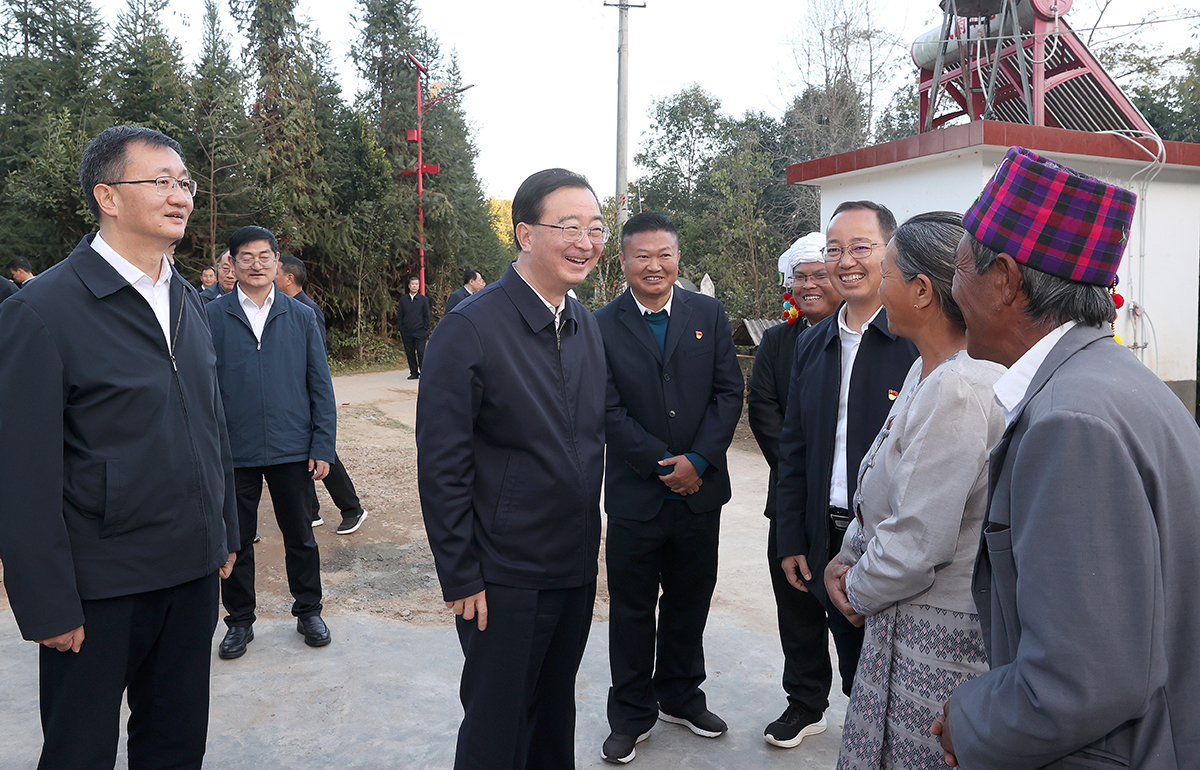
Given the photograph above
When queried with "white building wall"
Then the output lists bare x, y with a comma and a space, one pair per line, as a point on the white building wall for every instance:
1165, 281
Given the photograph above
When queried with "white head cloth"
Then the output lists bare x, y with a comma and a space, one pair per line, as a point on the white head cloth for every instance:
805, 249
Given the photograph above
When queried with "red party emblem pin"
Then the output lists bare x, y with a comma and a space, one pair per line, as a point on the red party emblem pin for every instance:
699, 335
892, 395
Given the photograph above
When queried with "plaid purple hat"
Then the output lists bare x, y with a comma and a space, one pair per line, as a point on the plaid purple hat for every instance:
1053, 218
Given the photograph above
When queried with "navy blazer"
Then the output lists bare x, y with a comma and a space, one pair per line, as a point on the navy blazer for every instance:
810, 428
689, 400
456, 296
307, 301
117, 473
510, 442
278, 394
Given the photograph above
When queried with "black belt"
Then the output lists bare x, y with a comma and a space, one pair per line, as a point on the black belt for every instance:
840, 517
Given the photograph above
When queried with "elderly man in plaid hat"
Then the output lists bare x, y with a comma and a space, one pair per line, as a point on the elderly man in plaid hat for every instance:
1084, 581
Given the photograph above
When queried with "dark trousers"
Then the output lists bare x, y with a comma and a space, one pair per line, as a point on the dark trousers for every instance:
291, 488
804, 636
157, 645
846, 637
341, 490
676, 550
414, 349
518, 680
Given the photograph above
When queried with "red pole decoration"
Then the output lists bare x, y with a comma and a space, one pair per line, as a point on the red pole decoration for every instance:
422, 169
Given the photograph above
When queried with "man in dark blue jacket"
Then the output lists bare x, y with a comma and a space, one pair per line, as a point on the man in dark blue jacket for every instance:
118, 508
847, 371
510, 456
413, 318
674, 399
281, 414
225, 280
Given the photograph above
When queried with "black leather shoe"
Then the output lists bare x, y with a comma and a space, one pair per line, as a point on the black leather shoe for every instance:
315, 632
235, 641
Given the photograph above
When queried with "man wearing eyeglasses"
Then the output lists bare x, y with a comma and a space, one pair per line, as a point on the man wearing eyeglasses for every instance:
510, 454
226, 279
282, 419
118, 510
847, 371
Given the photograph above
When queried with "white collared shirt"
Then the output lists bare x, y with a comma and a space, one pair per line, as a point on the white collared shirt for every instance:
557, 311
156, 293
850, 339
645, 310
257, 316
1013, 385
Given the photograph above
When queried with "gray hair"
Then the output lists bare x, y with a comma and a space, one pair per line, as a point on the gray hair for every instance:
926, 245
1051, 300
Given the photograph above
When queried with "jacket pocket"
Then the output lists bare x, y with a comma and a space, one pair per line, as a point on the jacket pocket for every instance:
508, 495
116, 515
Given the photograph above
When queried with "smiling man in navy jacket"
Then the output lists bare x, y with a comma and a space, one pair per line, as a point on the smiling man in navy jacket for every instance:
118, 508
510, 453
282, 419
674, 399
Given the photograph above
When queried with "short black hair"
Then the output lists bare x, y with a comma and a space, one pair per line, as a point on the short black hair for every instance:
887, 220
293, 266
105, 156
206, 268
470, 274
20, 263
244, 235
412, 278
648, 222
528, 203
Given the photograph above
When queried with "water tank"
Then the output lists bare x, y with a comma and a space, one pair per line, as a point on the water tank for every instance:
970, 26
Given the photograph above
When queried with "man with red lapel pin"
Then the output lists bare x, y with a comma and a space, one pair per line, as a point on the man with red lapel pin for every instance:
674, 399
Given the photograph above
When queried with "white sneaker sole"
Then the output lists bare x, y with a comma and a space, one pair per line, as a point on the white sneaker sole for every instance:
353, 529
632, 752
681, 721
816, 728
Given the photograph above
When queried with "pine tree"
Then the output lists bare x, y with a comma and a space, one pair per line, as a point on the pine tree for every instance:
216, 139
146, 77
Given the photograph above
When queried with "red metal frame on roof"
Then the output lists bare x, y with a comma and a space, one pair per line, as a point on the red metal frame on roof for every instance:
988, 133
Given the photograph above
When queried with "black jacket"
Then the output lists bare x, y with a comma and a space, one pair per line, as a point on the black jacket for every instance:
458, 295
688, 401
810, 427
767, 395
211, 293
510, 443
7, 288
303, 298
413, 315
117, 472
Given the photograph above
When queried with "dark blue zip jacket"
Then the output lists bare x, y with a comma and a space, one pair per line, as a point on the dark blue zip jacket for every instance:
278, 395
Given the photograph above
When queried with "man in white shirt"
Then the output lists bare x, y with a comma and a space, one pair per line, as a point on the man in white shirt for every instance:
118, 510
847, 371
281, 414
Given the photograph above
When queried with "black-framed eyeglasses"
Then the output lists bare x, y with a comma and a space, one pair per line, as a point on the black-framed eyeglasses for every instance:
164, 184
857, 250
265, 261
573, 233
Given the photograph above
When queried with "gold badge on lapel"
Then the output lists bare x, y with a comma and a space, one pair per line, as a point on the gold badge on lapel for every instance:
892, 395
699, 335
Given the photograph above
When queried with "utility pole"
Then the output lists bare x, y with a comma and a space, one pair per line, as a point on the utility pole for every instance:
623, 109
423, 168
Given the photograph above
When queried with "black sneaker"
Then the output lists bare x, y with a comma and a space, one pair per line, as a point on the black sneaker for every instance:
618, 748
351, 523
793, 726
705, 723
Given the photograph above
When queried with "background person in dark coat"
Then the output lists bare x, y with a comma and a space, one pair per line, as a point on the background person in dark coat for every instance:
413, 317
282, 420
674, 399
226, 280
290, 280
472, 282
118, 507
510, 457
801, 615
845, 378
7, 288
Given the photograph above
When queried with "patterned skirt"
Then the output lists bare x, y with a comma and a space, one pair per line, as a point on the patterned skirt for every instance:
913, 657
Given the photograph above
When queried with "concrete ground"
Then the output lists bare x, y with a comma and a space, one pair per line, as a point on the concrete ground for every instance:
384, 694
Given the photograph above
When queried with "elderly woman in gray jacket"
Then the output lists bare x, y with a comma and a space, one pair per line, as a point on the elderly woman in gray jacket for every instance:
906, 561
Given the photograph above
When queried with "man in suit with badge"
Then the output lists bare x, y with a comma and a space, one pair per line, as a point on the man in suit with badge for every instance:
674, 399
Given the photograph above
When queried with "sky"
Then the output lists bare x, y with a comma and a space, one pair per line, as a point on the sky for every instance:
544, 72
